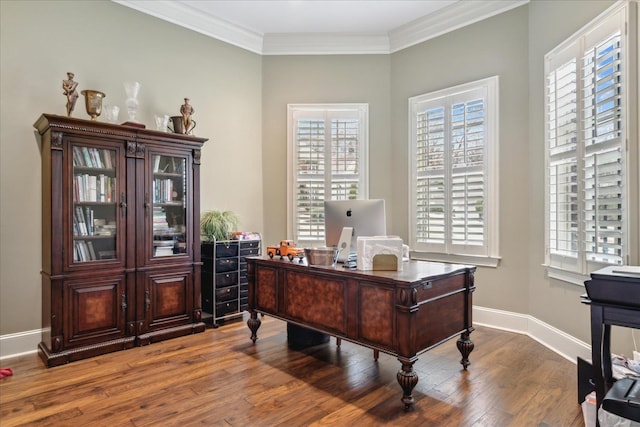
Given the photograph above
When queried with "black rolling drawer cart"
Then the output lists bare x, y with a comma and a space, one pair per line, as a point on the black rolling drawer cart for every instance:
225, 290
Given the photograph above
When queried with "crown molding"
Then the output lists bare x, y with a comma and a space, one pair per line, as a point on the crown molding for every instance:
458, 15
325, 44
179, 14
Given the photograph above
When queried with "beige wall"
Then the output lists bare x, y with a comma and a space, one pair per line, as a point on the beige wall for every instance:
496, 46
553, 301
106, 44
240, 100
322, 79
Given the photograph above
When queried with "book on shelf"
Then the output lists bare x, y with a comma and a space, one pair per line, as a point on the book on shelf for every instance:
102, 227
163, 250
86, 156
82, 225
94, 188
89, 220
78, 158
109, 254
89, 157
83, 251
163, 191
92, 252
160, 220
107, 158
156, 164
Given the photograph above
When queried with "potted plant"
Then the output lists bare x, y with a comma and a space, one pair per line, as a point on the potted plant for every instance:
217, 225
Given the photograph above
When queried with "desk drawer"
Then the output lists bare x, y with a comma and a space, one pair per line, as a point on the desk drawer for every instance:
222, 250
226, 264
250, 244
435, 288
226, 279
226, 294
249, 252
224, 308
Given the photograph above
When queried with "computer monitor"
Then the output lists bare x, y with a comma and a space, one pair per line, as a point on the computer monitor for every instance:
365, 217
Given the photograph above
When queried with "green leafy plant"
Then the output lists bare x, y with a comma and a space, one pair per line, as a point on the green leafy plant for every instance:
217, 225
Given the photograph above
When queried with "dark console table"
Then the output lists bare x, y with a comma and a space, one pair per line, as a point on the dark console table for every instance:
614, 298
401, 313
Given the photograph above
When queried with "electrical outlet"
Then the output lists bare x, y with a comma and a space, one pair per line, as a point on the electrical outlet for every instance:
636, 356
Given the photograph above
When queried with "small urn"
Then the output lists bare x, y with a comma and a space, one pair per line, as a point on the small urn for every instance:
93, 102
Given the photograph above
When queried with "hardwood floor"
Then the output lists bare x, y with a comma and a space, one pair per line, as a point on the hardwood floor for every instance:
220, 378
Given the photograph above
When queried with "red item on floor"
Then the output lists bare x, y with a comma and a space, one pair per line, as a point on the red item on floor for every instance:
6, 372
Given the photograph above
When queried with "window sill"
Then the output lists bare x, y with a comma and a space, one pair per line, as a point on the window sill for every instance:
565, 276
481, 261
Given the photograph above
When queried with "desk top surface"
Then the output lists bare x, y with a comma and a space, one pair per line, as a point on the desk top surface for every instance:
412, 271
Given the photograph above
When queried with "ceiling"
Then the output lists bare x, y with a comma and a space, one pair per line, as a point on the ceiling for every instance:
286, 27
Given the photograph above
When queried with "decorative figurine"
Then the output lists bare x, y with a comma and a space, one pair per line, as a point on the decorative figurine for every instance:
69, 86
187, 110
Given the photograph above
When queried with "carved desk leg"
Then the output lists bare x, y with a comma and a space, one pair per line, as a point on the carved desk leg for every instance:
254, 323
407, 378
465, 347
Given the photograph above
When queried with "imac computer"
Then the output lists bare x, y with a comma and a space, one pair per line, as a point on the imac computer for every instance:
364, 217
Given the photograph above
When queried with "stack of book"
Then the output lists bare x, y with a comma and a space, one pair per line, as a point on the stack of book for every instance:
163, 235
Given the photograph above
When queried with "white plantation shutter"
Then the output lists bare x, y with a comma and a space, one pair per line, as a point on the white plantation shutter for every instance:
562, 133
467, 167
346, 158
453, 149
328, 148
430, 187
310, 185
587, 207
603, 157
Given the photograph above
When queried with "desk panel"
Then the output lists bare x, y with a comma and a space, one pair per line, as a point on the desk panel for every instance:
402, 313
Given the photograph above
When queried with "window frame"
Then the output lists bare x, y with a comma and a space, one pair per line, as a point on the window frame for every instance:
489, 253
327, 111
621, 15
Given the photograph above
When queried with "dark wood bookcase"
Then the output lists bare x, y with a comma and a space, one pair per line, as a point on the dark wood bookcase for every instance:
120, 237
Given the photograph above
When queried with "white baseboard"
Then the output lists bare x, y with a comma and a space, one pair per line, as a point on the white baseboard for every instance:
20, 343
554, 339
565, 345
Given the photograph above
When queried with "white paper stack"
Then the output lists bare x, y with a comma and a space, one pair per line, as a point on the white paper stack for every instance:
368, 247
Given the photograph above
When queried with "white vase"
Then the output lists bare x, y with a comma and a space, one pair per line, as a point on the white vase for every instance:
132, 89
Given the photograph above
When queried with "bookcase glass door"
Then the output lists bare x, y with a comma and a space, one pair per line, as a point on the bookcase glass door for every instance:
95, 203
169, 195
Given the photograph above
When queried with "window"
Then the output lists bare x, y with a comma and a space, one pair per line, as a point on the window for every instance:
587, 156
454, 180
328, 159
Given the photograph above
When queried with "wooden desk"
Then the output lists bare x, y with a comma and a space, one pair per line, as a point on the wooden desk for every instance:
401, 313
615, 300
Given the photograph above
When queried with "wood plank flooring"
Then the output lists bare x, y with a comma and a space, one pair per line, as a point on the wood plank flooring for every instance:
220, 378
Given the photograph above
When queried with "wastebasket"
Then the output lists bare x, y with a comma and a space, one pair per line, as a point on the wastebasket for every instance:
621, 405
